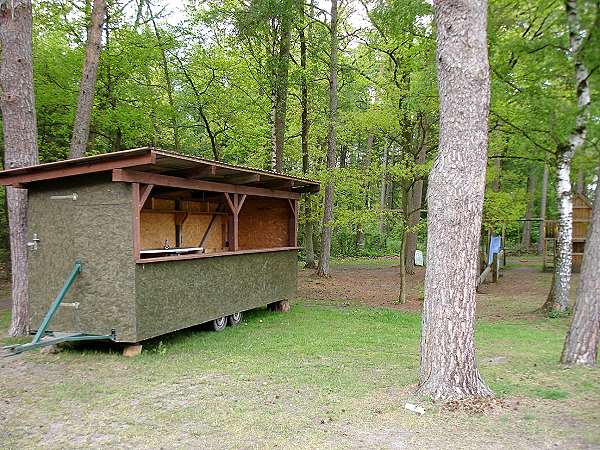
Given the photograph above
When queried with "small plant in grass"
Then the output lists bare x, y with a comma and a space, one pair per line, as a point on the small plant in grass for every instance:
160, 349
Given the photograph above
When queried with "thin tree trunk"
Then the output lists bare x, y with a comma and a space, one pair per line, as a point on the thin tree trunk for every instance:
365, 163
281, 90
403, 245
87, 86
383, 197
581, 342
305, 128
448, 367
543, 201
526, 239
20, 142
323, 269
168, 82
559, 293
497, 173
414, 210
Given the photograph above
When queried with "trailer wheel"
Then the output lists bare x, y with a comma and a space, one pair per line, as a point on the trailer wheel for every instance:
219, 324
234, 319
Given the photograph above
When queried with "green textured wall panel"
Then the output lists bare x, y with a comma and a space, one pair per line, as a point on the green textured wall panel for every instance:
172, 295
96, 229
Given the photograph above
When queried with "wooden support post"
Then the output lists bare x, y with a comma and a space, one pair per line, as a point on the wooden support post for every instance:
135, 210
503, 244
495, 268
293, 223
132, 350
235, 206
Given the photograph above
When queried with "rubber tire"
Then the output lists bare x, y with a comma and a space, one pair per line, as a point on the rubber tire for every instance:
218, 324
234, 319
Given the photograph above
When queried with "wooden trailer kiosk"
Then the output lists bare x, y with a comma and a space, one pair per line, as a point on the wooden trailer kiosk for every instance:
165, 241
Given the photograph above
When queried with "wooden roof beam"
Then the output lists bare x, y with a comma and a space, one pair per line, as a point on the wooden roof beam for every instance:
132, 176
243, 179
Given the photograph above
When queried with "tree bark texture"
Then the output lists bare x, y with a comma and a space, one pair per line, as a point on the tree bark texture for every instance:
526, 238
87, 86
20, 141
581, 343
543, 201
448, 367
559, 294
326, 229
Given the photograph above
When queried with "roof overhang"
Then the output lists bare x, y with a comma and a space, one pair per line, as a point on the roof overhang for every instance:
147, 161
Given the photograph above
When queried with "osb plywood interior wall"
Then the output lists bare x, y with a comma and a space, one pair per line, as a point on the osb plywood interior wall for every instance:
263, 223
158, 225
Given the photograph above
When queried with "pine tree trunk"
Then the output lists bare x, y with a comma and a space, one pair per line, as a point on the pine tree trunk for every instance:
87, 86
448, 367
526, 239
559, 293
20, 141
323, 269
581, 343
543, 201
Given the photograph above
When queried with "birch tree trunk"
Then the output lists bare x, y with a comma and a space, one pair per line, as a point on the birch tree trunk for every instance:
323, 269
526, 239
87, 87
581, 343
559, 293
20, 141
448, 367
543, 201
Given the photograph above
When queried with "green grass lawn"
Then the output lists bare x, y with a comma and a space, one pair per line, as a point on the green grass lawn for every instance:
317, 377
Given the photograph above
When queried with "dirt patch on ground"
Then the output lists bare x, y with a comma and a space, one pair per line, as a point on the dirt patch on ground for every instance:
520, 291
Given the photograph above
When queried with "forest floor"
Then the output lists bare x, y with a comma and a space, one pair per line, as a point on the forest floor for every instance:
335, 372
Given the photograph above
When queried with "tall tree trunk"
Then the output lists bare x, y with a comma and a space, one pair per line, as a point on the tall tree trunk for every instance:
305, 128
20, 141
323, 269
168, 81
414, 212
87, 86
281, 90
559, 293
448, 367
384, 194
365, 163
526, 239
497, 173
403, 245
543, 201
581, 343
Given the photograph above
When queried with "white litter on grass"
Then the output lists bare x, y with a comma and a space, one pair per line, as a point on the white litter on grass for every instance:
414, 408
